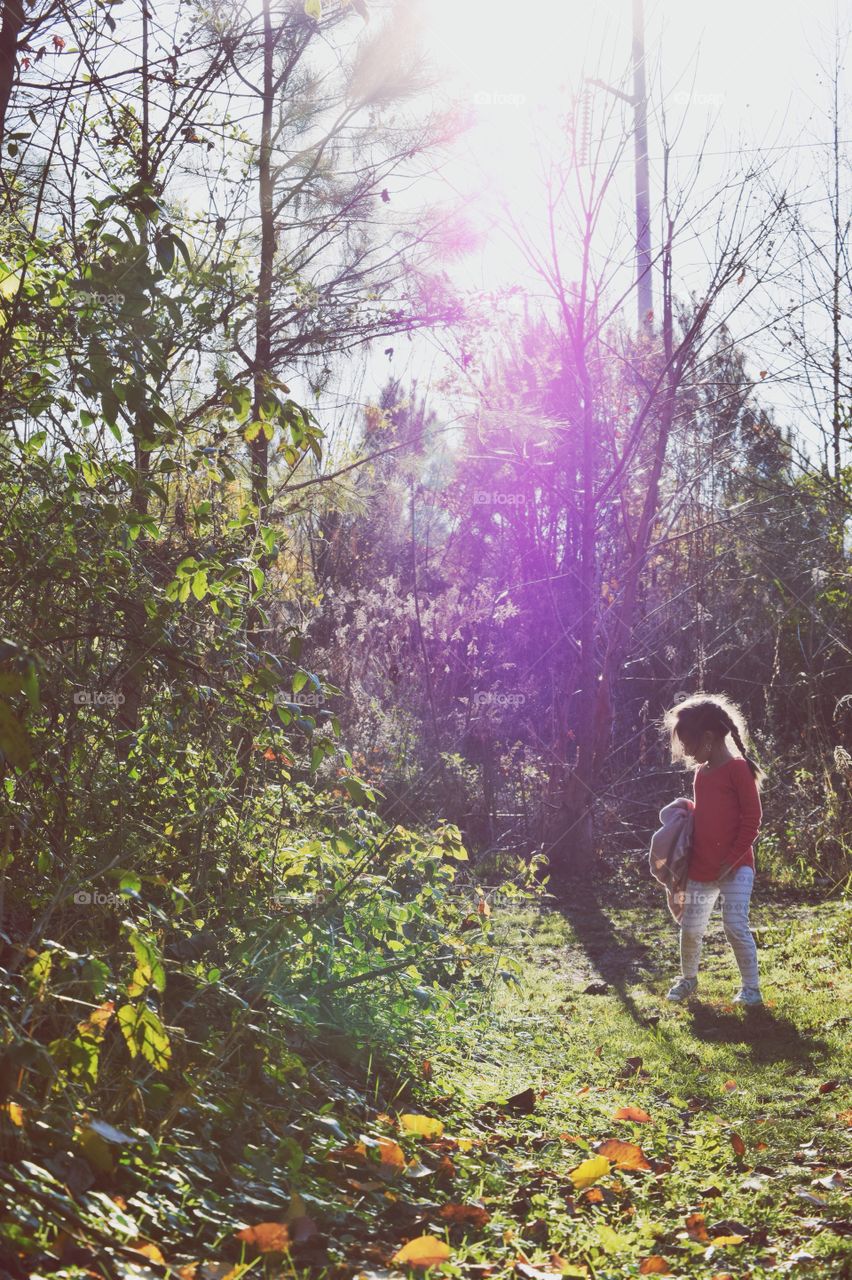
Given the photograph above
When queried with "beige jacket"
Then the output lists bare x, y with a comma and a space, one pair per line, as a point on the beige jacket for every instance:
671, 846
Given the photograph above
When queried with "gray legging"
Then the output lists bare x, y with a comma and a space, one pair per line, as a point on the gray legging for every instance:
734, 890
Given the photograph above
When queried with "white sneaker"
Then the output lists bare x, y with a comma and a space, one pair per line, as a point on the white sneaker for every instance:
748, 995
682, 989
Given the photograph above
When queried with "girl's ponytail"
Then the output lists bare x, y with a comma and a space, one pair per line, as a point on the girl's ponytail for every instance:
756, 771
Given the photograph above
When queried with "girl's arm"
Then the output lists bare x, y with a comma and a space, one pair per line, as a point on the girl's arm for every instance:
751, 812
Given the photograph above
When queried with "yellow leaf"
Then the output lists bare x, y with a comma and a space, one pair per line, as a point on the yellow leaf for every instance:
16, 1113
424, 1251
423, 1125
589, 1171
723, 1240
313, 8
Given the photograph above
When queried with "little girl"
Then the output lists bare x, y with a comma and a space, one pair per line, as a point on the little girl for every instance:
726, 819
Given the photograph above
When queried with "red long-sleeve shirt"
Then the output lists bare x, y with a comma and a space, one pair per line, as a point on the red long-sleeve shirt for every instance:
727, 818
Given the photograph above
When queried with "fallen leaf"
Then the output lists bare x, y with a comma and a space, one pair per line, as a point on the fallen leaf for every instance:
353, 1150
589, 1171
729, 1085
391, 1155
721, 1241
266, 1237
696, 1226
624, 1155
654, 1266
632, 1113
810, 1198
571, 1269
96, 1150
423, 1251
829, 1086
149, 1250
425, 1126
474, 1214
738, 1144
523, 1103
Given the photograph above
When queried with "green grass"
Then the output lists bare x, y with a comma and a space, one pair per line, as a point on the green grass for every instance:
786, 1193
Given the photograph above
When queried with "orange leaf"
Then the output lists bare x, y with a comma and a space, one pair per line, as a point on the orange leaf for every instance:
845, 1117
266, 1237
391, 1154
829, 1086
632, 1113
150, 1251
729, 1085
654, 1266
738, 1144
696, 1227
624, 1155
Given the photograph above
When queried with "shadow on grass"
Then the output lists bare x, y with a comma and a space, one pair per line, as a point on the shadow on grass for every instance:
769, 1036
615, 957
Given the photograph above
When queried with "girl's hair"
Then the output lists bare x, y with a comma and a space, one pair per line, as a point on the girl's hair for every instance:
704, 711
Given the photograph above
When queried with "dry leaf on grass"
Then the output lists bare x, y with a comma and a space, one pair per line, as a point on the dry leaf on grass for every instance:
423, 1251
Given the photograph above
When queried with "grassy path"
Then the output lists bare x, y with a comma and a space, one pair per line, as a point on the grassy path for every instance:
748, 1142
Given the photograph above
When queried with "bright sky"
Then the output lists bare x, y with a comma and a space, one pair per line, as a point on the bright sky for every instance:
745, 72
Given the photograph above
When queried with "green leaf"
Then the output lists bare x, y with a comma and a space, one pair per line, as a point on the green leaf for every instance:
199, 584
144, 1035
165, 252
358, 792
149, 971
